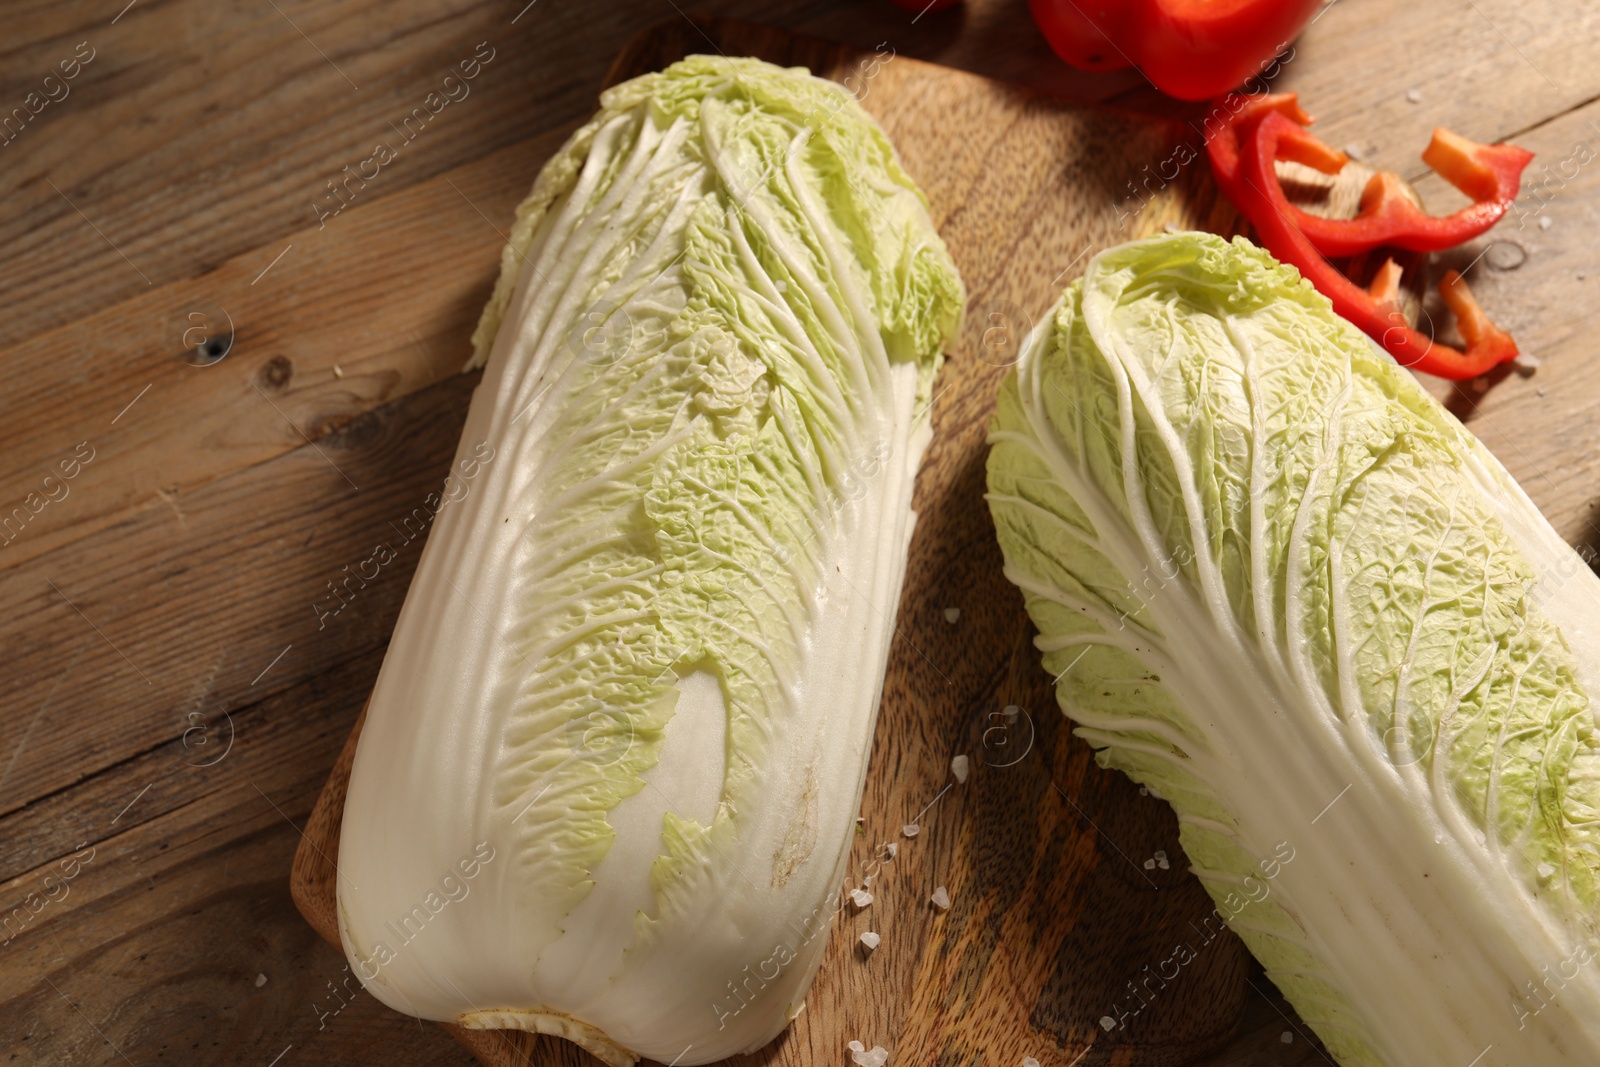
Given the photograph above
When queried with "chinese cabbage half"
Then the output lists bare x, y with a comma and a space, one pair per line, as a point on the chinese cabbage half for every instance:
1280, 585
609, 773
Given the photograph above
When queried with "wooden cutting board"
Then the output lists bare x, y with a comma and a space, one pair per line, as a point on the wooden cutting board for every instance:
1065, 881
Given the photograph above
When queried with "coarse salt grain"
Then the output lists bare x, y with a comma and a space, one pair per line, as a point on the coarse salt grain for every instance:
951, 615
860, 897
941, 898
876, 1056
911, 829
871, 940
959, 767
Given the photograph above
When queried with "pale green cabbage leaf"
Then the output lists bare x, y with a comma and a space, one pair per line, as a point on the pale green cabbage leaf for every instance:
1280, 585
640, 662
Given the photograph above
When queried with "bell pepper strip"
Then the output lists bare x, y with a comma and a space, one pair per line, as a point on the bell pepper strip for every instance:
1238, 114
1242, 112
1490, 174
1474, 325
1385, 286
1376, 313
1485, 172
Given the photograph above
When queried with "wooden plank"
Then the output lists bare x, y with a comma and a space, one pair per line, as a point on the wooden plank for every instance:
176, 614
212, 130
186, 884
379, 304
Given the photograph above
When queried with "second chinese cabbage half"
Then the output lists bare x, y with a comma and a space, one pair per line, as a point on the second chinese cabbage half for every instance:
609, 773
1279, 584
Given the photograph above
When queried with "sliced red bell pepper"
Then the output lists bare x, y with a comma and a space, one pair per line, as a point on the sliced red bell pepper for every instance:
1475, 327
1490, 174
1235, 115
1376, 313
1385, 286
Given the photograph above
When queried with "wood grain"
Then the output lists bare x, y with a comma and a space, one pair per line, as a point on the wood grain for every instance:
202, 533
1052, 913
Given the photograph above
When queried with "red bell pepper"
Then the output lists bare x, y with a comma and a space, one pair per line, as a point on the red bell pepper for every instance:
1084, 32
1490, 174
1190, 49
1243, 112
1385, 286
1375, 312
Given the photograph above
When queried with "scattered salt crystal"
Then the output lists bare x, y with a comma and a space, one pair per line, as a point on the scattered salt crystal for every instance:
794, 1012
891, 850
1527, 361
951, 615
338, 371
1171, 227
1414, 96
1545, 870
1160, 860
261, 980
1011, 712
856, 1046
1286, 1037
877, 1056
1029, 1061
959, 768
1353, 150
781, 286
1545, 222
1540, 390
911, 829
860, 897
941, 898
1107, 1022
870, 939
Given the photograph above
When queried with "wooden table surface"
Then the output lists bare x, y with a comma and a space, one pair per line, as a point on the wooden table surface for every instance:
172, 701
